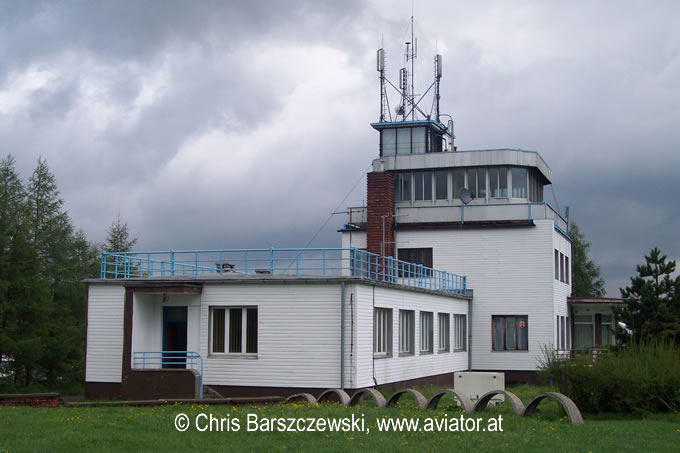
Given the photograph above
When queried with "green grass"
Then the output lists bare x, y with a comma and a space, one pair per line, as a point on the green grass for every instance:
152, 428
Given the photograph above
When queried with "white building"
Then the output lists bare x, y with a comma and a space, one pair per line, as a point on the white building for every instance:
456, 263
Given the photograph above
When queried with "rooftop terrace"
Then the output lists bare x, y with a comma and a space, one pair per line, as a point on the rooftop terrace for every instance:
281, 262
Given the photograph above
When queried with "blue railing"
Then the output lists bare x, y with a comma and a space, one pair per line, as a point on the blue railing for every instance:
321, 262
170, 359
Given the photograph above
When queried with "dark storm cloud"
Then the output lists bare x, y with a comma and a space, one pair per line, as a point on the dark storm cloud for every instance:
244, 123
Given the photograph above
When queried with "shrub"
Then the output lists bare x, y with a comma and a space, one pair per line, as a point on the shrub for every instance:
639, 378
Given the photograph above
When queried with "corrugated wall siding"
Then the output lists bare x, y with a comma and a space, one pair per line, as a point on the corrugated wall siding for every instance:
511, 273
104, 356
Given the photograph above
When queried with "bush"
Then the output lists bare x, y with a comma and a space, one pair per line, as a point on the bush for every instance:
639, 378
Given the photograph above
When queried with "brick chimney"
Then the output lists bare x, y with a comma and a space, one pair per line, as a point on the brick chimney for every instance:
380, 200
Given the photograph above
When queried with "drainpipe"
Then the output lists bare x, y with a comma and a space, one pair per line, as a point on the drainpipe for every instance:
342, 335
469, 345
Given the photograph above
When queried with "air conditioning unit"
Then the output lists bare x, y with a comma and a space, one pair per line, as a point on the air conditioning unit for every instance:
474, 384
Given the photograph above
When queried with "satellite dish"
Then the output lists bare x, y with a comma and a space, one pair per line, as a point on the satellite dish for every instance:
399, 109
465, 195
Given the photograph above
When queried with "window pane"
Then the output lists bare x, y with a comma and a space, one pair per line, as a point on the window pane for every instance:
441, 182
251, 339
519, 182
472, 182
583, 336
562, 334
427, 185
523, 333
403, 140
566, 269
503, 182
458, 182
418, 182
557, 265
444, 331
510, 333
606, 334
481, 183
218, 330
418, 140
235, 332
498, 334
493, 182
389, 141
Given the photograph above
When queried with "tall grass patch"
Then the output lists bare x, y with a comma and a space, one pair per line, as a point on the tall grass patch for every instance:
638, 378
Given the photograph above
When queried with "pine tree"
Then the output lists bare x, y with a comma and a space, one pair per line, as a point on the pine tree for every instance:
118, 239
652, 301
586, 280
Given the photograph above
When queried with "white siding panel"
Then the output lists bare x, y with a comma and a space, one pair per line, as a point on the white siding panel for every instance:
298, 335
396, 368
510, 271
104, 355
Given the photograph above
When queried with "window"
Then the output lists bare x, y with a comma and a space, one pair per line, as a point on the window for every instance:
458, 182
441, 184
606, 329
561, 267
406, 331
519, 182
389, 141
568, 333
382, 332
444, 337
234, 330
422, 180
404, 140
562, 333
498, 182
557, 265
418, 135
402, 187
583, 332
460, 326
566, 270
426, 331
417, 256
510, 333
477, 182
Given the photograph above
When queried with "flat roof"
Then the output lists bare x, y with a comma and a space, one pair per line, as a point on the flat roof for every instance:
263, 279
465, 158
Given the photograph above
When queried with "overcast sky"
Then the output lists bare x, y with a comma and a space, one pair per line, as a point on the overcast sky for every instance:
225, 124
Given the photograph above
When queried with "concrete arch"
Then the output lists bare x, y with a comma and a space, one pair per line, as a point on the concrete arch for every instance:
573, 414
341, 394
463, 399
420, 399
517, 405
301, 396
375, 395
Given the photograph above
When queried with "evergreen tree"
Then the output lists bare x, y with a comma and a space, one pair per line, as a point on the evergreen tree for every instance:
118, 239
652, 301
586, 280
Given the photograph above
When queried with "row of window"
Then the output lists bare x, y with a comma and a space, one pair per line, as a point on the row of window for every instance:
483, 183
382, 332
562, 269
233, 330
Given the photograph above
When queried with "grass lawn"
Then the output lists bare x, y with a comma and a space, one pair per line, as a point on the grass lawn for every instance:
153, 428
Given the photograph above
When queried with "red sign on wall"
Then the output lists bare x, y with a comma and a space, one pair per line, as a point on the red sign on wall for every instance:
522, 324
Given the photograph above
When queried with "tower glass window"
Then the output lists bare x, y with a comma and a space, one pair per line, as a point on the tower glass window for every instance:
423, 185
402, 186
403, 140
441, 184
519, 182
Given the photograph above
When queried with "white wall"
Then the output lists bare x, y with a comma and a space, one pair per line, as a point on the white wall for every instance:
104, 353
396, 368
560, 290
298, 335
511, 273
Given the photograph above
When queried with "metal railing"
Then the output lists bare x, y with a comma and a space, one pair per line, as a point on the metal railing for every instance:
322, 262
483, 212
170, 359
